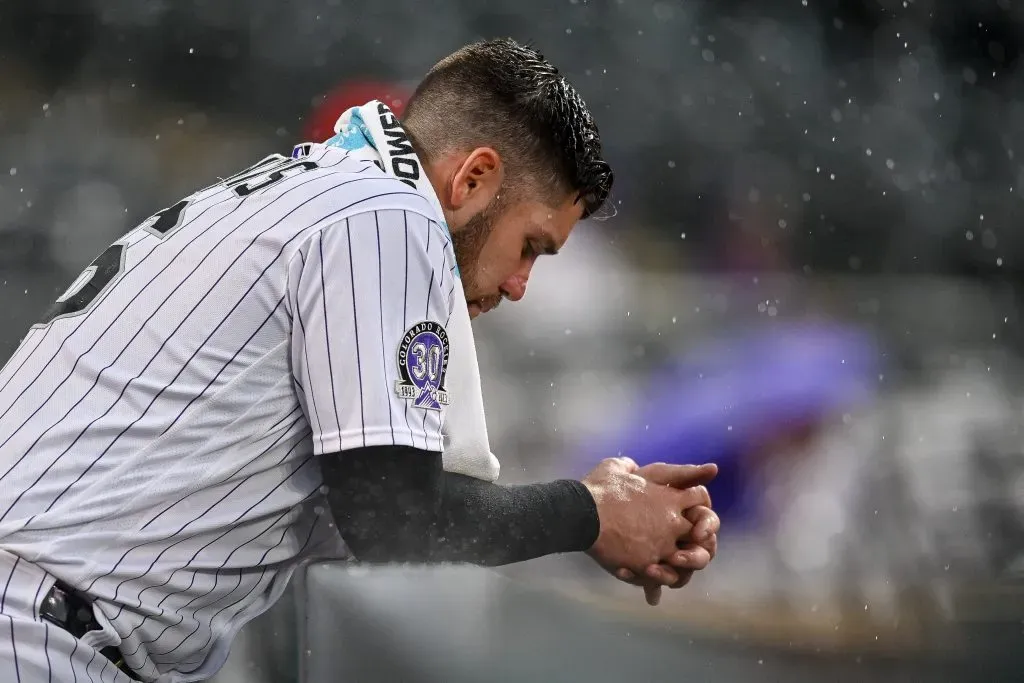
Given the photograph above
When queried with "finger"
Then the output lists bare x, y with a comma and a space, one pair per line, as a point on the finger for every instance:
692, 497
684, 578
711, 545
653, 594
682, 527
706, 523
692, 557
629, 577
678, 476
661, 573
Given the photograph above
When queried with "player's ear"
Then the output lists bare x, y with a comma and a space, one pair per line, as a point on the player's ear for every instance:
477, 180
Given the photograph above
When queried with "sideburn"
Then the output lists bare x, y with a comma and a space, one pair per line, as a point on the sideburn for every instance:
469, 241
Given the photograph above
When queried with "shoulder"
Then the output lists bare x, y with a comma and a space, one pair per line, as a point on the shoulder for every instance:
352, 186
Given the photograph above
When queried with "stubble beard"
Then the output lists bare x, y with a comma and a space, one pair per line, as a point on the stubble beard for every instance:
468, 243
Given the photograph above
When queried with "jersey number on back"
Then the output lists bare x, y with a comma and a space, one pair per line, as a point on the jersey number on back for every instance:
108, 265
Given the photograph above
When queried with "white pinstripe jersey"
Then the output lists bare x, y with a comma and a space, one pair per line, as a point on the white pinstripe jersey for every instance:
158, 429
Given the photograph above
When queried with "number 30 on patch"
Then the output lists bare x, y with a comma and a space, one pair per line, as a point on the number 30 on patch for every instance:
422, 363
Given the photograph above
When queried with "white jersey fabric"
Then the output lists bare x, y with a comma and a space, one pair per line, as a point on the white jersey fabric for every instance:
158, 431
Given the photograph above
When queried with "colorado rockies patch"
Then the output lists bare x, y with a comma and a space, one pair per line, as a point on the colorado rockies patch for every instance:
422, 363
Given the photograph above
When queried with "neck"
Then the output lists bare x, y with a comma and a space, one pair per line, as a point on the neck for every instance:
438, 174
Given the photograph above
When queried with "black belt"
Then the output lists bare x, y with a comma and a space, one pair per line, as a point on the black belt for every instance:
63, 606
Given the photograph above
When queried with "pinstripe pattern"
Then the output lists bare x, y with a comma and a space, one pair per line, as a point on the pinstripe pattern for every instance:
258, 332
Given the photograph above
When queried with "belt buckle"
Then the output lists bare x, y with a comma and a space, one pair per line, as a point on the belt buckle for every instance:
62, 608
55, 608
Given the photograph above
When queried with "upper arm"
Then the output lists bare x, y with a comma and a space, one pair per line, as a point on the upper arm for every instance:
370, 298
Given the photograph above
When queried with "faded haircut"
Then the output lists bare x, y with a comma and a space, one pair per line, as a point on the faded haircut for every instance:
504, 95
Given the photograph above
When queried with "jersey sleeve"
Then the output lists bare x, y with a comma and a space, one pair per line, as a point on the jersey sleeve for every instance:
370, 298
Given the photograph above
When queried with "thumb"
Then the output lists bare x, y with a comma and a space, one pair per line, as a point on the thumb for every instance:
678, 476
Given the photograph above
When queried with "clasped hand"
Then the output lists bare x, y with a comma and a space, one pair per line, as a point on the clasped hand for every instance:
657, 525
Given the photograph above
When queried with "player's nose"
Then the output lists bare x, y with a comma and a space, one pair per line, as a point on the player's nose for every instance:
514, 288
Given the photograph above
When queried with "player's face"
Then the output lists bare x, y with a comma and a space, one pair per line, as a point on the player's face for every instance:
496, 250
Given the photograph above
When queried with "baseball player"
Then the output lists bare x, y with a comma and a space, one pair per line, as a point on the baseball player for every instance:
286, 355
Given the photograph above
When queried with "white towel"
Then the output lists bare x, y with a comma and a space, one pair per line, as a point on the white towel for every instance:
467, 449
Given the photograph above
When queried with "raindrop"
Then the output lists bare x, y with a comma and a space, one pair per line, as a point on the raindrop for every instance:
890, 164
671, 164
14, 171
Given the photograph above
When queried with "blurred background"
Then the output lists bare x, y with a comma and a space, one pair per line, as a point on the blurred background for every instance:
812, 278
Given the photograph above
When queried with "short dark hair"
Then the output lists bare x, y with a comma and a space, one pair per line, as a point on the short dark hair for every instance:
505, 95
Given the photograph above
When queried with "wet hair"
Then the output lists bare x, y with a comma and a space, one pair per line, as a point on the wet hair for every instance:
504, 95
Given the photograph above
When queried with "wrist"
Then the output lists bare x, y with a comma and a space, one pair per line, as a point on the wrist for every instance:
590, 518
596, 493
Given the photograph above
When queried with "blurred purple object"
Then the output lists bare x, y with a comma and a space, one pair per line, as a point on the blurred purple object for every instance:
718, 398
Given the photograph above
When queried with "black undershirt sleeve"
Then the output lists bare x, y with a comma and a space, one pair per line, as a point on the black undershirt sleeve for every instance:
397, 504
